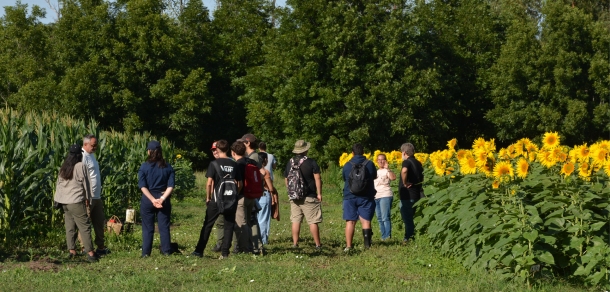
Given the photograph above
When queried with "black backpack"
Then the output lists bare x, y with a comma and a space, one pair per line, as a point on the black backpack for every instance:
225, 190
358, 180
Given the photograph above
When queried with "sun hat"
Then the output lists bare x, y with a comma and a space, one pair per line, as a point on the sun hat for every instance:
153, 145
301, 146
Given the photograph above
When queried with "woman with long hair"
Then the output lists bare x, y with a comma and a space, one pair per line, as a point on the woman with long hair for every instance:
156, 180
73, 193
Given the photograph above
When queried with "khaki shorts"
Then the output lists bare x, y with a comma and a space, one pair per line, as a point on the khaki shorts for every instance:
310, 208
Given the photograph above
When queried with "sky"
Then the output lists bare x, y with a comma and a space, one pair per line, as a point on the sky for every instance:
211, 4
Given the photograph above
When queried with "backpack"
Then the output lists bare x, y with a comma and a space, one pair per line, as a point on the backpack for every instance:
296, 183
225, 190
358, 180
253, 180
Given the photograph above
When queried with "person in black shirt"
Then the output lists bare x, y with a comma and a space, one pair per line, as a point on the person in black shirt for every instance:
409, 187
309, 207
227, 167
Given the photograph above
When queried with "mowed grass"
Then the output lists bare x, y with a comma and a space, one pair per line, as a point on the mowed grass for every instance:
387, 266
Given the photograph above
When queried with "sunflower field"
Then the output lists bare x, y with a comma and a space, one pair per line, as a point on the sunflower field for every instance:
32, 149
526, 211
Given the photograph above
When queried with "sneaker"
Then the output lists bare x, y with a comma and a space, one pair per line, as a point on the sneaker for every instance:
102, 252
318, 248
144, 256
71, 256
197, 254
217, 248
222, 257
295, 245
348, 249
91, 259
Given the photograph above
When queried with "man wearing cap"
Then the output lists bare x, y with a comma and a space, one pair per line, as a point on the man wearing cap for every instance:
96, 208
309, 207
244, 205
251, 145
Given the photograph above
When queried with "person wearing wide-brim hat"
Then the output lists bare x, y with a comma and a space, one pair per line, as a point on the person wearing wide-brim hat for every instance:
156, 181
305, 200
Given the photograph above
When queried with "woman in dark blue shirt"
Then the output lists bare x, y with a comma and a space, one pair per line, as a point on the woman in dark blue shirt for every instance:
156, 180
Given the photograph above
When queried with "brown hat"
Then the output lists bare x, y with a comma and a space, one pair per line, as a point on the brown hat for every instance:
249, 138
301, 146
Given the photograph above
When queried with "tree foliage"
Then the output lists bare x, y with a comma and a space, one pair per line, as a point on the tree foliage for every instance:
379, 72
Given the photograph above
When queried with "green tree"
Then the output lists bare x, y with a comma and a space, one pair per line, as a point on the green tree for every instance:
551, 78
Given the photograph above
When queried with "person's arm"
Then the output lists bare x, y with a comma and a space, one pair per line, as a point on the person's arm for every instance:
403, 176
170, 186
144, 186
318, 180
209, 187
91, 174
268, 181
274, 163
86, 184
391, 174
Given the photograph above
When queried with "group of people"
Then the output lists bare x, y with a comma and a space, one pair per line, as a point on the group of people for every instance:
241, 198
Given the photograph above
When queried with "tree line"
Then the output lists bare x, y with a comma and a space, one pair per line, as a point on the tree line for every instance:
379, 72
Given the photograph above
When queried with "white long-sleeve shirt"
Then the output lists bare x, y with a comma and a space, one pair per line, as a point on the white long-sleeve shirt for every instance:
95, 177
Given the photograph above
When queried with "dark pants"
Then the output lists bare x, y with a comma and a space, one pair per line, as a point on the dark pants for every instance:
407, 211
147, 213
211, 214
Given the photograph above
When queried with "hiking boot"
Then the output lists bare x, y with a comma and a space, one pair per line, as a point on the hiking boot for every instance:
368, 235
197, 254
102, 252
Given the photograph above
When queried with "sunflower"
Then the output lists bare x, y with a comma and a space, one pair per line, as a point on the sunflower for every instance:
559, 154
503, 170
495, 184
518, 148
550, 140
503, 154
490, 145
421, 157
511, 151
546, 158
488, 166
605, 144
345, 158
582, 152
531, 156
584, 172
531, 147
607, 168
479, 143
468, 165
567, 168
522, 167
481, 157
451, 144
461, 154
599, 155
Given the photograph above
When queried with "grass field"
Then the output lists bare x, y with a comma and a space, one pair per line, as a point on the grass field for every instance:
387, 266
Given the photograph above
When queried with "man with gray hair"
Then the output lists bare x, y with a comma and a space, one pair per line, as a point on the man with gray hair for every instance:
97, 205
409, 187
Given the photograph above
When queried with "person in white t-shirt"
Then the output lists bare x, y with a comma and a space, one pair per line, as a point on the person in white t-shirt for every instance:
384, 196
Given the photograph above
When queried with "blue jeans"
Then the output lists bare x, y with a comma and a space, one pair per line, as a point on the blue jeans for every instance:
407, 211
264, 216
147, 214
383, 207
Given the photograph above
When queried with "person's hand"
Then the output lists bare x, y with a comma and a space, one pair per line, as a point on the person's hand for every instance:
408, 185
207, 200
158, 203
320, 198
